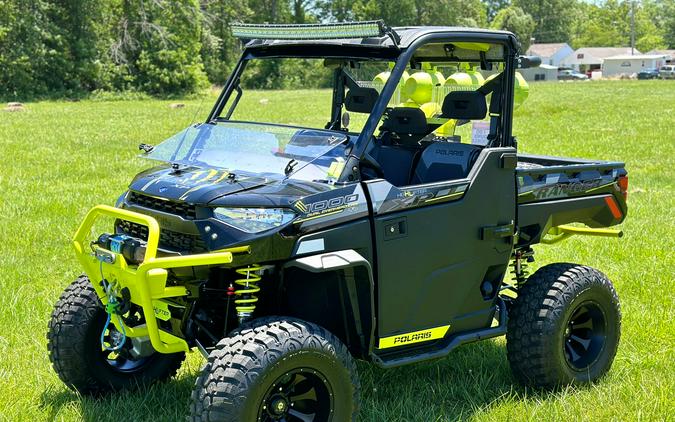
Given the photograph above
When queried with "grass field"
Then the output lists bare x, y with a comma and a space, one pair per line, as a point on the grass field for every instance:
61, 158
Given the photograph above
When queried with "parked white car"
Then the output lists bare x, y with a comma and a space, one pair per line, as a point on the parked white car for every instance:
571, 75
667, 72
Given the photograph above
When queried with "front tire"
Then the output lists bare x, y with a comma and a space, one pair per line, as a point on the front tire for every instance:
564, 327
278, 369
77, 355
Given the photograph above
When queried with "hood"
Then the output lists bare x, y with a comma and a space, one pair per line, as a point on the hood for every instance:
193, 184
213, 186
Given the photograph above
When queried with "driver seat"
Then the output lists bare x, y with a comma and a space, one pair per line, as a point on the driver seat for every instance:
399, 146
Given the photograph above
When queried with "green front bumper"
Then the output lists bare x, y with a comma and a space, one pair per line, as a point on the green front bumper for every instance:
147, 281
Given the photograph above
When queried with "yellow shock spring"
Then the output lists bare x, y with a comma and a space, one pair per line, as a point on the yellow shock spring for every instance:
246, 296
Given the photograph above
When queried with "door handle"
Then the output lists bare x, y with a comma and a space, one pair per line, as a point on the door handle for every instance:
497, 232
394, 229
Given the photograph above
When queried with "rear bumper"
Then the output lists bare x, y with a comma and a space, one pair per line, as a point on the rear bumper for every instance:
147, 281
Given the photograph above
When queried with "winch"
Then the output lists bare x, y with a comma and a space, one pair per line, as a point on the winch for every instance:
132, 249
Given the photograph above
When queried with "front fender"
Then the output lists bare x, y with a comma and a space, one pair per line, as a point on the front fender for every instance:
356, 288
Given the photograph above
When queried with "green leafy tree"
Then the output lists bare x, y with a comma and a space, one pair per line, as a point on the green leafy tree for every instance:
270, 11
650, 42
602, 26
650, 27
303, 11
22, 52
46, 48
394, 13
156, 47
515, 20
608, 25
165, 47
553, 18
405, 12
668, 12
472, 13
219, 49
660, 14
74, 34
494, 6
335, 10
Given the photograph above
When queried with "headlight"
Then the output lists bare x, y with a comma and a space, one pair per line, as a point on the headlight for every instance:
254, 220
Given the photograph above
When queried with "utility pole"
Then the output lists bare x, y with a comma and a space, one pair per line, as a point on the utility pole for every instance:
632, 27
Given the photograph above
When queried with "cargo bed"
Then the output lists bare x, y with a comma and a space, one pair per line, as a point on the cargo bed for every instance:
553, 191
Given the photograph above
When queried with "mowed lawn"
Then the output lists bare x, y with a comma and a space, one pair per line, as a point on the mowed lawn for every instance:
61, 158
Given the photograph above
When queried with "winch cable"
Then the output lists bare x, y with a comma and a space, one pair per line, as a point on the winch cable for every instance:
111, 307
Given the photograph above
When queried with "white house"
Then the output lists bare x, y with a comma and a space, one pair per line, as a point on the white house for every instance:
669, 53
591, 58
544, 72
551, 54
627, 65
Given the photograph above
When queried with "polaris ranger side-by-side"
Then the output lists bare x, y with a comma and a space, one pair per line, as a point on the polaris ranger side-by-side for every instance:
283, 252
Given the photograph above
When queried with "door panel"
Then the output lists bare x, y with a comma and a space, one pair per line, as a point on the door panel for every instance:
437, 243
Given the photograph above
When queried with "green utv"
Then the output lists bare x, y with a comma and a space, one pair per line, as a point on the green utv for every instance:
382, 227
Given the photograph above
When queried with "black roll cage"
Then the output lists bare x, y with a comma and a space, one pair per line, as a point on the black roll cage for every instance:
379, 52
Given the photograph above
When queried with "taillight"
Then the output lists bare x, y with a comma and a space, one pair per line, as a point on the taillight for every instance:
623, 186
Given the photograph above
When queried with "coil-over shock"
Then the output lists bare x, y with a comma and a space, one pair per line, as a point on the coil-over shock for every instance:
246, 298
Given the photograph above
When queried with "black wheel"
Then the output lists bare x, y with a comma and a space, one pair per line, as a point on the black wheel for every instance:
278, 369
564, 327
74, 343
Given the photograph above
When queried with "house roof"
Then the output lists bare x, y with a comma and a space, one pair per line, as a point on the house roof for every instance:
595, 55
604, 52
669, 53
636, 57
546, 50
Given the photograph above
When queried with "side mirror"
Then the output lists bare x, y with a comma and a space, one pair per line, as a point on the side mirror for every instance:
333, 63
526, 62
146, 148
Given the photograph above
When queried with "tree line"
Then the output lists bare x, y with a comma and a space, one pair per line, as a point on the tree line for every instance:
68, 48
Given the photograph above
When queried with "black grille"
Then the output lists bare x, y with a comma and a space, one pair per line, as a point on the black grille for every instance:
168, 239
182, 209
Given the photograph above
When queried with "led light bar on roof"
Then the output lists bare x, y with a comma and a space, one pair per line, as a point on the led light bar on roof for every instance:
321, 31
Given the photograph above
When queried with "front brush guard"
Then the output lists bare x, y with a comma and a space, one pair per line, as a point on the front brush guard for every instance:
147, 281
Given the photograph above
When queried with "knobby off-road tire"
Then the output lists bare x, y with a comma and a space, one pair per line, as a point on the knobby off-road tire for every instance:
77, 356
564, 327
275, 368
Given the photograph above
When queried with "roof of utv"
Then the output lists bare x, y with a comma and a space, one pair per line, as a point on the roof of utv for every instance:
405, 36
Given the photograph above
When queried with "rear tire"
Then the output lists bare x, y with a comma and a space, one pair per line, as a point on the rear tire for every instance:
277, 369
564, 327
77, 356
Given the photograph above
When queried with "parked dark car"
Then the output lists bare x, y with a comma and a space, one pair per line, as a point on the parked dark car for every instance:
648, 74
571, 75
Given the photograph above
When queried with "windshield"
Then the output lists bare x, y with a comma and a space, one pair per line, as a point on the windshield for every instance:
301, 91
252, 148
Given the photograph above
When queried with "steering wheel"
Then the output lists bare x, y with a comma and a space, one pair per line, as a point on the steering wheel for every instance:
370, 162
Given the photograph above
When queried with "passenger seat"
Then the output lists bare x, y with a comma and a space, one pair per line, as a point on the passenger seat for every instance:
445, 161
